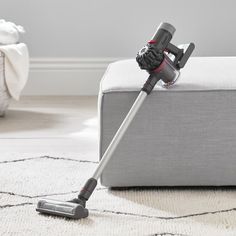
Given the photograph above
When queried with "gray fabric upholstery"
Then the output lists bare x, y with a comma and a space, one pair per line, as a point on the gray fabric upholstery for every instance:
185, 136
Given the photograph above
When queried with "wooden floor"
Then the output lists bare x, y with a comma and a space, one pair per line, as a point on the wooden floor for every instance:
50, 125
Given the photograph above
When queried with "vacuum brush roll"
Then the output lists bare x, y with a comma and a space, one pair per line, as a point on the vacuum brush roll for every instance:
60, 208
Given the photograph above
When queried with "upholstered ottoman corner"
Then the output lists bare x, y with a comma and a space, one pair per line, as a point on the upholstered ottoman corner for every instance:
182, 136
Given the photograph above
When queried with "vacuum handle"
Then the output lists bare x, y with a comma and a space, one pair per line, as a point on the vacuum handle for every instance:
187, 53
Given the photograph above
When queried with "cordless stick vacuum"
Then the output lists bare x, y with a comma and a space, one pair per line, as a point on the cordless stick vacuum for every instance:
162, 60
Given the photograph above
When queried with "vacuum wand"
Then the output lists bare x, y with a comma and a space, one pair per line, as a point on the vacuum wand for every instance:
155, 60
119, 134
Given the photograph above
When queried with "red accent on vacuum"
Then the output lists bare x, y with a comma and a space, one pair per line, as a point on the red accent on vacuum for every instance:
152, 41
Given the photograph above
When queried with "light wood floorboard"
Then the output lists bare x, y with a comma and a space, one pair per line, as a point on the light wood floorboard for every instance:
51, 125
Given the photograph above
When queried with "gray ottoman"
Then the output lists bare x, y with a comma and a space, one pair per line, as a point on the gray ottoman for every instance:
183, 136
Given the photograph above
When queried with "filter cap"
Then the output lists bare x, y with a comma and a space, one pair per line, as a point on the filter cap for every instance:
168, 27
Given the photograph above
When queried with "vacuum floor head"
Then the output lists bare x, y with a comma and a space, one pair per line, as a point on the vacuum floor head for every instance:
60, 208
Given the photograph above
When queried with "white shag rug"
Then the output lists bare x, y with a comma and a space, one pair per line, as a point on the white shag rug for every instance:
26, 178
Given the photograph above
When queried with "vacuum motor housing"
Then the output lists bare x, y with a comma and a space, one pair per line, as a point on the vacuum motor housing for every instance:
154, 60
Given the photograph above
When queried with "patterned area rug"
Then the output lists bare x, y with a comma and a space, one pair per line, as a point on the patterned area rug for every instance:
26, 178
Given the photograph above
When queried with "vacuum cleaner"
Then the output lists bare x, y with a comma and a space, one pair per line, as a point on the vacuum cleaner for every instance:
163, 61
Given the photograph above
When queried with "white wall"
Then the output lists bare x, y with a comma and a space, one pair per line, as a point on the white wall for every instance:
117, 28
109, 28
